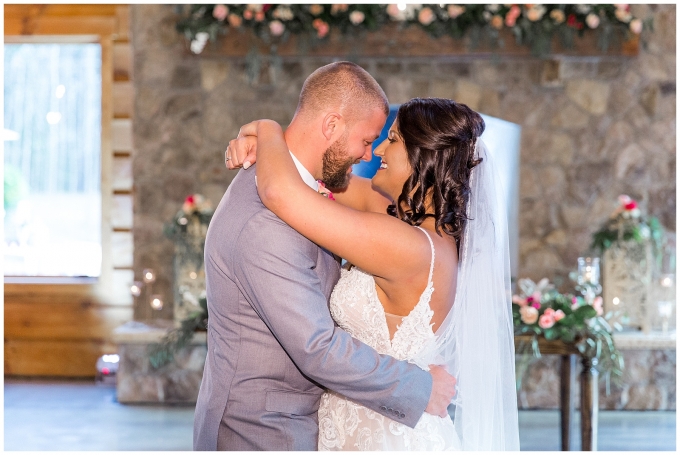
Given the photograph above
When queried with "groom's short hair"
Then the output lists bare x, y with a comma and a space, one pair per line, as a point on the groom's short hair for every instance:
344, 85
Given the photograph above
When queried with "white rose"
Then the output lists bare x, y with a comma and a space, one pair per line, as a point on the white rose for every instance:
592, 20
356, 17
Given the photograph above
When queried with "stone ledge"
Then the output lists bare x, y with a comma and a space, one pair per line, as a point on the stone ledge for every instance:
136, 332
641, 340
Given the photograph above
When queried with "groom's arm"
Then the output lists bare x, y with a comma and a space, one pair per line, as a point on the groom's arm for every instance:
275, 271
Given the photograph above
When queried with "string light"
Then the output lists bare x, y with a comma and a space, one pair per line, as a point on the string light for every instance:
149, 276
156, 302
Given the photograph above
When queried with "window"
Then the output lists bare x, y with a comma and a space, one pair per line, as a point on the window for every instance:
52, 159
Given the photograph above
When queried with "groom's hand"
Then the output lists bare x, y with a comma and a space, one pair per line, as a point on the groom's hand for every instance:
443, 391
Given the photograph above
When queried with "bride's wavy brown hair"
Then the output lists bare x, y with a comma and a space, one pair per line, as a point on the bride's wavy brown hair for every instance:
440, 137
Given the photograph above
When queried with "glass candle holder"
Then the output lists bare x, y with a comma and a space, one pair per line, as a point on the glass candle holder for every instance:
589, 271
665, 308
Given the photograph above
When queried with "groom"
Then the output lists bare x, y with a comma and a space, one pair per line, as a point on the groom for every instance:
272, 344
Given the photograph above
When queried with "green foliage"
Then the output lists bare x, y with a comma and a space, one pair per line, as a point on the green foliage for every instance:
161, 354
534, 25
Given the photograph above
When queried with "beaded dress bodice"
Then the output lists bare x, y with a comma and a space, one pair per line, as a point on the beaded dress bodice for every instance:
345, 425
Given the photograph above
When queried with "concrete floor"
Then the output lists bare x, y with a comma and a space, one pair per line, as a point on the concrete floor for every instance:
53, 415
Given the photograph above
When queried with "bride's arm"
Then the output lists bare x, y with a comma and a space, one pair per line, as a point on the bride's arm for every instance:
359, 193
378, 243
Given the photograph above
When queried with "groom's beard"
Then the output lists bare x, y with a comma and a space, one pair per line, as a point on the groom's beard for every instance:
336, 163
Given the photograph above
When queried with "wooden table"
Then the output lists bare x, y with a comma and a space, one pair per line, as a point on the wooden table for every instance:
589, 389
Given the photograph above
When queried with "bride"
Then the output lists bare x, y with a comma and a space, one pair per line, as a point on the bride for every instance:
429, 279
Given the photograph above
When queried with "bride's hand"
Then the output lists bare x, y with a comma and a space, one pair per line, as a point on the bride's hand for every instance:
242, 151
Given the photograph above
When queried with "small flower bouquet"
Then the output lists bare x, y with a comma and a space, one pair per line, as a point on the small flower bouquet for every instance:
627, 224
541, 311
191, 220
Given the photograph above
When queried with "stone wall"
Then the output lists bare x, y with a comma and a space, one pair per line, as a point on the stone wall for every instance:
593, 127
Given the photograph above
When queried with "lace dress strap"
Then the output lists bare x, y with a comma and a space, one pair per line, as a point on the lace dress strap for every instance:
429, 278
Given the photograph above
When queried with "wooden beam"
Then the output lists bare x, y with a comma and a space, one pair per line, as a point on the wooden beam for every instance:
63, 320
54, 358
394, 40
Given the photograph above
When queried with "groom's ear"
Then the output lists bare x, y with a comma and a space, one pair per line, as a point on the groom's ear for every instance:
333, 125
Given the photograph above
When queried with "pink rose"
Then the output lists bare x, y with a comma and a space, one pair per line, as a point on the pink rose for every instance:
512, 15
529, 315
247, 14
234, 20
356, 17
559, 315
455, 11
276, 28
550, 312
597, 304
220, 12
519, 300
321, 27
545, 321
636, 26
259, 16
426, 16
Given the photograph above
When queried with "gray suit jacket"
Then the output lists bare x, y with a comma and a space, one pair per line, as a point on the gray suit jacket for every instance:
272, 344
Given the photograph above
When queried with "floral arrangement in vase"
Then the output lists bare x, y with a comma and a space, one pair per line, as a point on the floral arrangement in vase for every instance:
627, 224
188, 230
532, 24
541, 311
190, 223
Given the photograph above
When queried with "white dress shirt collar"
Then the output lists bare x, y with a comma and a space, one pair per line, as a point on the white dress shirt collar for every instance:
307, 176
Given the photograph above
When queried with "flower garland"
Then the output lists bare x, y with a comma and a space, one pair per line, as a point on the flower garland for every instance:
532, 24
540, 310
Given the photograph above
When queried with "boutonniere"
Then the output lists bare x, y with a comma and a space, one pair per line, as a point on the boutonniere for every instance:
325, 192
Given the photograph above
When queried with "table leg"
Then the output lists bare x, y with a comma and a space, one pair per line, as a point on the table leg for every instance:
589, 405
567, 377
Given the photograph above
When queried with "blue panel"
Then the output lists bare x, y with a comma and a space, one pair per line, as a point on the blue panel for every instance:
369, 168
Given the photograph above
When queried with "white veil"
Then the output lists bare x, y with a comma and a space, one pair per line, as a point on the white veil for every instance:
475, 342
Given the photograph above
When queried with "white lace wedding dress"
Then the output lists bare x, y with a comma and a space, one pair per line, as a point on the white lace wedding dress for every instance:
345, 425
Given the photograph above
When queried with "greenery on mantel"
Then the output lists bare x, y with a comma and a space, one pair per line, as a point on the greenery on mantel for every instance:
163, 353
532, 25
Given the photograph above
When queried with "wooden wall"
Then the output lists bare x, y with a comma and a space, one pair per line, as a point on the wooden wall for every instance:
54, 328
